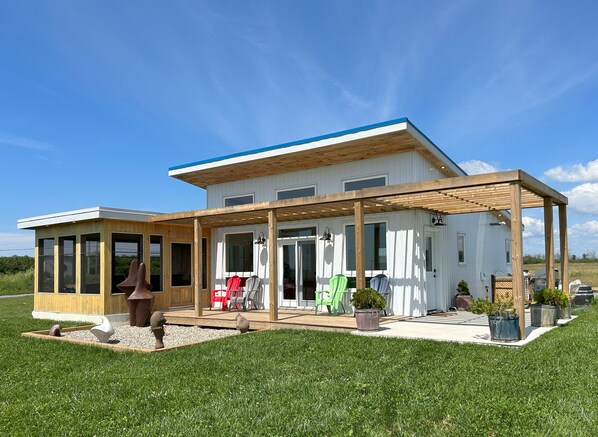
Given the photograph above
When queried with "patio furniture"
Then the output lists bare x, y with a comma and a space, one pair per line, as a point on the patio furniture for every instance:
223, 296
380, 283
337, 287
250, 294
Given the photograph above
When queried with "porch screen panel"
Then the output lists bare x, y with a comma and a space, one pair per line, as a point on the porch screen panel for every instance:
46, 265
125, 248
90, 264
181, 264
66, 264
156, 262
375, 246
239, 252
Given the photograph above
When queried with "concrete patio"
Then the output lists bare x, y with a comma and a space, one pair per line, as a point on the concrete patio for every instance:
459, 327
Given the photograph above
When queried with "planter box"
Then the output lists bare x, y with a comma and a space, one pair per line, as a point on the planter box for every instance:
367, 320
504, 328
462, 301
543, 315
564, 313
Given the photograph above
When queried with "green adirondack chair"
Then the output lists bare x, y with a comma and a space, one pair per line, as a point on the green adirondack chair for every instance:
337, 287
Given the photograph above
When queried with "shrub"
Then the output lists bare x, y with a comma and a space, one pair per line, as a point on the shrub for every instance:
367, 298
484, 306
463, 288
552, 296
14, 264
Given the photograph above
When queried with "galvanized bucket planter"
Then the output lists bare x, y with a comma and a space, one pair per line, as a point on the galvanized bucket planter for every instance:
543, 315
367, 320
504, 328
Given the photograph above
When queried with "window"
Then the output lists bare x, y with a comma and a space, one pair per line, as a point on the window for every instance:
375, 246
461, 248
181, 265
46, 265
358, 184
238, 200
125, 248
90, 263
296, 192
156, 262
297, 232
508, 250
66, 264
239, 252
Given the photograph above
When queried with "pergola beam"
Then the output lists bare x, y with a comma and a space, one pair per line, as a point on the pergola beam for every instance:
517, 254
197, 265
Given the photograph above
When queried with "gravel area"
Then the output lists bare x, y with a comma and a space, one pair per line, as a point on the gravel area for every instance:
174, 335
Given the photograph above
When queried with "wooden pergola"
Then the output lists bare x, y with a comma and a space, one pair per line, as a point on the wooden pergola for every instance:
495, 193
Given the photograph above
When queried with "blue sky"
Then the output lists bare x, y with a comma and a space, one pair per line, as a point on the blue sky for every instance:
99, 98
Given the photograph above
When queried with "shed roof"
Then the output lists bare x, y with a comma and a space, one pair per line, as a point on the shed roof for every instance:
453, 195
364, 142
97, 212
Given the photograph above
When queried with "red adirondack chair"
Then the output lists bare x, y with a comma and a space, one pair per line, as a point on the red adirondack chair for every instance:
223, 296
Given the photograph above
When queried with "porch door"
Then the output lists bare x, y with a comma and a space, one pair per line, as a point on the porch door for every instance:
432, 302
298, 270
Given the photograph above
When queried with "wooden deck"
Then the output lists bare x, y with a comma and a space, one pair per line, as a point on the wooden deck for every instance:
259, 319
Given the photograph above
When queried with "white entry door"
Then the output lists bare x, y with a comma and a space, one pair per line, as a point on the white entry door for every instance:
297, 273
432, 301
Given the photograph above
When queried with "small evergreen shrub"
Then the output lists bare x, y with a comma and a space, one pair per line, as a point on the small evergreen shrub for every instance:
367, 298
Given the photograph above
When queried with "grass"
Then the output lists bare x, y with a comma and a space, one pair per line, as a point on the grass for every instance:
16, 283
299, 383
586, 272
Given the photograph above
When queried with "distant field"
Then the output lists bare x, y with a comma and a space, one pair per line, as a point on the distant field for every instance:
16, 283
587, 273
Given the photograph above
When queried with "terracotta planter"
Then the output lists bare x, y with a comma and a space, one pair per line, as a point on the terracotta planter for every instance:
543, 315
462, 301
368, 320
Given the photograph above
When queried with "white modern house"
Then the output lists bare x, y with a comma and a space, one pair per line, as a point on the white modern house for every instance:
376, 199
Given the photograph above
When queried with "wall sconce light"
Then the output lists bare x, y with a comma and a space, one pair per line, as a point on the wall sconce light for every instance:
498, 223
437, 220
260, 239
327, 236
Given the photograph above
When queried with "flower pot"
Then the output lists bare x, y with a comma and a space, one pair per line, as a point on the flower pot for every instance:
504, 328
564, 313
543, 315
367, 320
462, 301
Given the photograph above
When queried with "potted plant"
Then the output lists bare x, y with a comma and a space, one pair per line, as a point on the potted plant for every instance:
503, 319
547, 302
368, 303
463, 296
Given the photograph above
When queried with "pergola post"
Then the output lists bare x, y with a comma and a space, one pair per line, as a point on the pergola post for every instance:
517, 254
359, 244
549, 242
197, 265
273, 263
564, 246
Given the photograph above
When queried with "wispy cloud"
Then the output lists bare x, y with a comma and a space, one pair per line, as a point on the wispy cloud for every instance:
574, 173
24, 142
12, 243
475, 166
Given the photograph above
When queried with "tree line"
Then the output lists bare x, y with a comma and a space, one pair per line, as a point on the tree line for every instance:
15, 264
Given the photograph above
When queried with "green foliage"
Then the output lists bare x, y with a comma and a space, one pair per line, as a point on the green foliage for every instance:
296, 383
552, 296
14, 264
484, 306
17, 283
367, 298
463, 288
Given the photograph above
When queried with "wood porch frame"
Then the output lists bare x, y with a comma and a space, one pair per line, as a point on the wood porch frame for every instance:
495, 193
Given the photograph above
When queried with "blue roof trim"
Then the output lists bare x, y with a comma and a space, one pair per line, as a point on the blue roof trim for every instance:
295, 143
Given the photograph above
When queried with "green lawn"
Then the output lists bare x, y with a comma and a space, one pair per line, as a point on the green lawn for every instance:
299, 383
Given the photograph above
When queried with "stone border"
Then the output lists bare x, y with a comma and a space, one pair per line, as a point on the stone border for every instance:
45, 335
